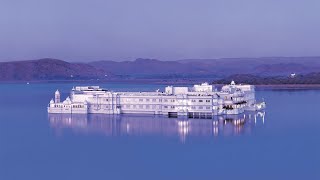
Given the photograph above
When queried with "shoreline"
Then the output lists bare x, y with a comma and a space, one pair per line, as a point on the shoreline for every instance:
183, 82
282, 86
289, 86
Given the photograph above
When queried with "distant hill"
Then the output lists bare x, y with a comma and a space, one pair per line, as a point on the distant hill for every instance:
212, 68
147, 67
47, 69
165, 71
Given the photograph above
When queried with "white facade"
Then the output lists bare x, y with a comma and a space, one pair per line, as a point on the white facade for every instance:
197, 101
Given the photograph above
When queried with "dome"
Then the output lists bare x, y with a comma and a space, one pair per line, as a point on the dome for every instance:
51, 102
67, 101
57, 92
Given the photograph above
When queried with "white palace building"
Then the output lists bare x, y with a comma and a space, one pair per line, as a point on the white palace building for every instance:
199, 101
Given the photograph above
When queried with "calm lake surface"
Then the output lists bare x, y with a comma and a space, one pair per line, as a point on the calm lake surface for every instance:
281, 143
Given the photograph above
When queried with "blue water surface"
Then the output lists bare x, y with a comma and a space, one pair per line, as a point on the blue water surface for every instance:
284, 145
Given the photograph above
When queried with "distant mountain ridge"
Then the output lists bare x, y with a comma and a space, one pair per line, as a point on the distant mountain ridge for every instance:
211, 69
145, 66
47, 69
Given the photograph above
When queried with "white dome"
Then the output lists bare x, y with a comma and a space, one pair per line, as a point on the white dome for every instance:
57, 92
67, 101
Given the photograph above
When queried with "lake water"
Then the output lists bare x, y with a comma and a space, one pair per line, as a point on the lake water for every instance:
281, 143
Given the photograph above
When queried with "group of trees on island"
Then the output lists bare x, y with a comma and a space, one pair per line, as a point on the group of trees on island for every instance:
311, 78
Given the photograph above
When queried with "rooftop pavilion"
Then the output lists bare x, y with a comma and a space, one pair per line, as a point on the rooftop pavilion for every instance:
88, 88
204, 87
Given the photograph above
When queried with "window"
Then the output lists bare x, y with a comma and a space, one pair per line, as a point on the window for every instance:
154, 100
147, 106
207, 100
172, 100
154, 106
165, 107
140, 106
208, 107
147, 100
172, 107
193, 100
166, 100
193, 107
200, 100
140, 100
200, 107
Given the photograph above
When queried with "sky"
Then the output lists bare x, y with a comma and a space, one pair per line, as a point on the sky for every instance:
89, 30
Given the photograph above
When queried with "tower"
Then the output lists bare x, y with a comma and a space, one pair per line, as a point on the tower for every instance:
57, 97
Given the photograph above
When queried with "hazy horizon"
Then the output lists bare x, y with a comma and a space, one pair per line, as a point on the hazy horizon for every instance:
223, 58
84, 31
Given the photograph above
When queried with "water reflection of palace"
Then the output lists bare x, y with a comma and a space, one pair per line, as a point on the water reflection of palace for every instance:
122, 125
